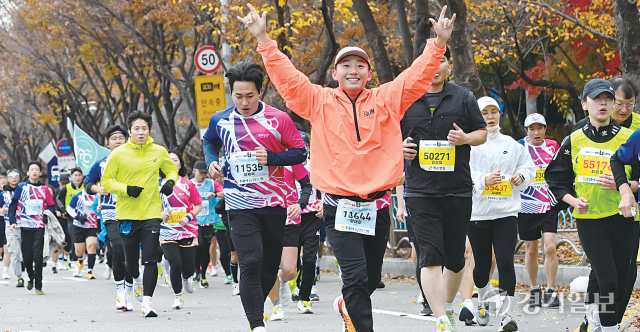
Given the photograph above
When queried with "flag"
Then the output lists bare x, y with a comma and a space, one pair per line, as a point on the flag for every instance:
48, 153
86, 149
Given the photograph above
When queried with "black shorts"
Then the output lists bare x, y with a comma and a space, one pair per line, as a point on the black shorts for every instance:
185, 243
3, 235
207, 232
440, 229
531, 226
410, 234
310, 225
291, 236
80, 234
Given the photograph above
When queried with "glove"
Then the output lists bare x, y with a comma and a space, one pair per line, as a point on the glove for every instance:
167, 188
134, 191
81, 219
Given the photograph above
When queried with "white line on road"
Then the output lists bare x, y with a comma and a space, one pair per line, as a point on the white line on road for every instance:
403, 314
74, 279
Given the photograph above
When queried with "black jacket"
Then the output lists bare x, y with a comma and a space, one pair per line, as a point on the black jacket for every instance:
455, 105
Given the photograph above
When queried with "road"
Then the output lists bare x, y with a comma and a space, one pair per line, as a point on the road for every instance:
78, 304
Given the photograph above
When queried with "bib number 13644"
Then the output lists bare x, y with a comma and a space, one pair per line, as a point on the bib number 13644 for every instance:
356, 217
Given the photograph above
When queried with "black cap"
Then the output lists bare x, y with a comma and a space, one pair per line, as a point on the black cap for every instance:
200, 166
595, 87
64, 178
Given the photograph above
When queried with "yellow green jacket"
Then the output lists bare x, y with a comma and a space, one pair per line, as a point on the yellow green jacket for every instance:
138, 165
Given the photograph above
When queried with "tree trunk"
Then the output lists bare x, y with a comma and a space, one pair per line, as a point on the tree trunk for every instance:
627, 18
464, 63
376, 42
423, 25
330, 47
403, 26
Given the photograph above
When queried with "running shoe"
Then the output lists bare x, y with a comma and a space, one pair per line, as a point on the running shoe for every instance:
29, 285
466, 313
178, 303
147, 311
5, 275
451, 314
317, 273
20, 283
204, 283
228, 280
507, 323
314, 295
420, 298
54, 270
341, 308
305, 307
592, 323
285, 293
381, 285
77, 273
127, 301
551, 299
65, 266
39, 291
90, 275
197, 278
60, 265
278, 312
80, 264
187, 284
138, 291
210, 268
443, 325
101, 259
584, 326
121, 303
426, 309
213, 270
483, 313
107, 272
235, 289
535, 297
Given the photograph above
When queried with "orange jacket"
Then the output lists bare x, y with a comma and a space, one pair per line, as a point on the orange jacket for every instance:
341, 164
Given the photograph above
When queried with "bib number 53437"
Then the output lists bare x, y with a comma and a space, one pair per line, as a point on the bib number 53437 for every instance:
356, 217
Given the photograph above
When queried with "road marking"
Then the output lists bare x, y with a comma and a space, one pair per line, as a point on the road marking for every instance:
74, 279
403, 314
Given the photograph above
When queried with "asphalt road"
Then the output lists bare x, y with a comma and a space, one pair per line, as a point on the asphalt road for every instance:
78, 304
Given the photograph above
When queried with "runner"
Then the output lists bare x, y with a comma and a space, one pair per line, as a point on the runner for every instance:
357, 150
607, 238
209, 223
179, 230
445, 122
253, 135
72, 184
85, 231
280, 294
500, 169
13, 251
233, 259
4, 252
115, 136
132, 173
26, 212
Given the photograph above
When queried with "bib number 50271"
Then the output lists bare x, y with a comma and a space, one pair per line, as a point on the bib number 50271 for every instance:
356, 217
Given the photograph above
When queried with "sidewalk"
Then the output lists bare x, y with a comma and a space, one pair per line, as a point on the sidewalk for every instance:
404, 267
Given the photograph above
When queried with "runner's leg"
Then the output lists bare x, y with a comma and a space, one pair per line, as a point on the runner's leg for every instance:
225, 253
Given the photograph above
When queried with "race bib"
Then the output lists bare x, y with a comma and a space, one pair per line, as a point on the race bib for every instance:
205, 209
33, 207
539, 180
592, 163
437, 156
245, 168
175, 213
356, 217
500, 191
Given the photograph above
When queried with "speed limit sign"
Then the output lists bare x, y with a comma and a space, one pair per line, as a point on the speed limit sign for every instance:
207, 60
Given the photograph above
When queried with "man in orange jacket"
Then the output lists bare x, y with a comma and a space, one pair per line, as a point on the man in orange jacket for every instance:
356, 151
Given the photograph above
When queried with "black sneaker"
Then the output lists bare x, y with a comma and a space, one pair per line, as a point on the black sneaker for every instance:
426, 309
584, 327
381, 284
551, 298
20, 283
29, 285
197, 278
295, 297
535, 297
54, 270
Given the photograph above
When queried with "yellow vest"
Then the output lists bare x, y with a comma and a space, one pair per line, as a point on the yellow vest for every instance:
70, 193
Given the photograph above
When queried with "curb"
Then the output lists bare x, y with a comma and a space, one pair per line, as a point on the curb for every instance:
405, 268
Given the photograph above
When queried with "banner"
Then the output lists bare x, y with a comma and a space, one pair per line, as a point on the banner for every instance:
48, 153
86, 149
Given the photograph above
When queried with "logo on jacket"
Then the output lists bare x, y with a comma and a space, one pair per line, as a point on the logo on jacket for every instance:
263, 135
504, 152
603, 133
369, 112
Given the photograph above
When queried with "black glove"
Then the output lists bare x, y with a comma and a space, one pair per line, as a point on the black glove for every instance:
81, 219
134, 191
167, 188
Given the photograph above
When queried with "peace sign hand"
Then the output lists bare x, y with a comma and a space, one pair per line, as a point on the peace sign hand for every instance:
256, 24
443, 27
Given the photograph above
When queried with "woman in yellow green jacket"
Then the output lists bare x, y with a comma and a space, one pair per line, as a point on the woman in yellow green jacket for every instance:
132, 174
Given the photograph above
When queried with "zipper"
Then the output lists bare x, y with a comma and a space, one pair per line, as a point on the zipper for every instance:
355, 113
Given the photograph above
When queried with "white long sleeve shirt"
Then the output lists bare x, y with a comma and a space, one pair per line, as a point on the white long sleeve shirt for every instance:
503, 153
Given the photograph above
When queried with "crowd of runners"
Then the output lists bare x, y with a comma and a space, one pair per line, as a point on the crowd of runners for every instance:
267, 193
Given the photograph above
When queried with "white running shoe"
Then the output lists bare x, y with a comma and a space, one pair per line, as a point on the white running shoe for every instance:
507, 323
420, 298
305, 307
138, 291
178, 303
77, 273
214, 271
187, 284
467, 313
314, 294
127, 301
61, 265
235, 289
121, 303
107, 272
147, 311
278, 312
285, 293
5, 275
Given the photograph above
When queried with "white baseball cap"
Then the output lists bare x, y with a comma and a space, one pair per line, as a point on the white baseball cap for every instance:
351, 50
534, 118
483, 102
